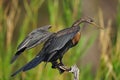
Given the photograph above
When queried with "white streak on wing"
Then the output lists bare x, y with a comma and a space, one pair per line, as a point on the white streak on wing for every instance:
24, 44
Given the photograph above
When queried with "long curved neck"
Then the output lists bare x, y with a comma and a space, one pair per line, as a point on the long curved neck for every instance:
76, 23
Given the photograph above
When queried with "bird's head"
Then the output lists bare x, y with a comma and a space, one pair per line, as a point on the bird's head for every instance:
86, 20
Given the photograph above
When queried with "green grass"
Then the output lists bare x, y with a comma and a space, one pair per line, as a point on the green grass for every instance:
18, 20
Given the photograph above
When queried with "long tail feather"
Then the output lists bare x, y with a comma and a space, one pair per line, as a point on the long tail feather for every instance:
29, 65
17, 71
33, 63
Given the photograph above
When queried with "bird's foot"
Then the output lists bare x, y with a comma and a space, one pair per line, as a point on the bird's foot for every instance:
62, 68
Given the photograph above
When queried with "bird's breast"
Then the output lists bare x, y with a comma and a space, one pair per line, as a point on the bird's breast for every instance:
76, 38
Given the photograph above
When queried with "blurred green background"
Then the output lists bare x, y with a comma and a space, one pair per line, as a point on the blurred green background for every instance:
97, 55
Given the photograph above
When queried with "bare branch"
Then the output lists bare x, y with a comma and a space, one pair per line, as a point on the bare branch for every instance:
74, 69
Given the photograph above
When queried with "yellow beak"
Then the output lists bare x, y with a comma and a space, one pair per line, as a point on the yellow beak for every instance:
93, 23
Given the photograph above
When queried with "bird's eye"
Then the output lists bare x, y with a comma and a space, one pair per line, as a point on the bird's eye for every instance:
90, 20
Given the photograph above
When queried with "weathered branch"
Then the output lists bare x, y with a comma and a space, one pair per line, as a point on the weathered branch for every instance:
74, 69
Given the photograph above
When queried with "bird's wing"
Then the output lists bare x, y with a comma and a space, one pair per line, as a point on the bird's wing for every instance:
35, 37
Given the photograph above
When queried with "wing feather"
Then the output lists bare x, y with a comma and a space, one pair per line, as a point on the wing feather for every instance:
35, 37
60, 39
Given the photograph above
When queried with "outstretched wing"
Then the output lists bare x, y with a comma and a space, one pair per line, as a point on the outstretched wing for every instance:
33, 39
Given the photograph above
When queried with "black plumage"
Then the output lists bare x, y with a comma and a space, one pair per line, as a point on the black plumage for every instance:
55, 47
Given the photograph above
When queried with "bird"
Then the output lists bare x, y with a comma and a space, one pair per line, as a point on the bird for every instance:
34, 38
57, 45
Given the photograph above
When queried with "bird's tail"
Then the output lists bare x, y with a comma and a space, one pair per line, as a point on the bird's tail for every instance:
30, 65
16, 55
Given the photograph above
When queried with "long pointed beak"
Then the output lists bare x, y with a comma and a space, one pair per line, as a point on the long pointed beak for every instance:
93, 23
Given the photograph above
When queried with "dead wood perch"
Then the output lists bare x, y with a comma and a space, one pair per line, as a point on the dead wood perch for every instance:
74, 69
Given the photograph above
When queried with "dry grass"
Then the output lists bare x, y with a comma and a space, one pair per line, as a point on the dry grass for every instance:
17, 18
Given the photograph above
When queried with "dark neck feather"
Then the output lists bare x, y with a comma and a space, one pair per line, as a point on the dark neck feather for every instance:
76, 23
